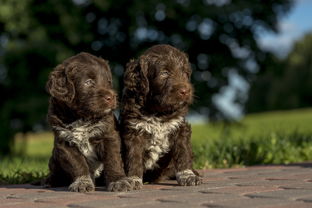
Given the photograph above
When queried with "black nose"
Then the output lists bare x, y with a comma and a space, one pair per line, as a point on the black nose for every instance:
108, 98
184, 91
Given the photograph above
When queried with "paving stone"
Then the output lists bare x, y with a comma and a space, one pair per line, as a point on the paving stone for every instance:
268, 182
290, 194
302, 185
243, 190
121, 202
245, 202
199, 199
163, 204
291, 205
275, 186
306, 199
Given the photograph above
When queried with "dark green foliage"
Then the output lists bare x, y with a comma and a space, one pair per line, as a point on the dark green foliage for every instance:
287, 83
219, 36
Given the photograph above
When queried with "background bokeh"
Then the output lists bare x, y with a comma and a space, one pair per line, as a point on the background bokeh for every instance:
239, 65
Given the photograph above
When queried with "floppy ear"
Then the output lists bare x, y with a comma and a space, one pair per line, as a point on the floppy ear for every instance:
189, 70
109, 72
60, 86
135, 77
187, 65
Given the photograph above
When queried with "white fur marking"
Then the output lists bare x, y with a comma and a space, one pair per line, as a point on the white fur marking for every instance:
98, 170
184, 174
78, 134
84, 181
158, 144
187, 178
136, 179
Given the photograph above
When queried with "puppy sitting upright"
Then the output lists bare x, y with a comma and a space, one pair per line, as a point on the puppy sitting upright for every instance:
155, 135
87, 144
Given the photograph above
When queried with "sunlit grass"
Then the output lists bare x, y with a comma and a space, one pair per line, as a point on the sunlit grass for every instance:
273, 137
256, 125
22, 169
30, 159
266, 138
34, 144
276, 148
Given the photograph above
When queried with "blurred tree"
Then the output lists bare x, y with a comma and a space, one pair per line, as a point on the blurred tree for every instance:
219, 36
287, 83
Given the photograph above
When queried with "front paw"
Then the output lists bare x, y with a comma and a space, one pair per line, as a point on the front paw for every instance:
82, 184
188, 178
136, 182
124, 184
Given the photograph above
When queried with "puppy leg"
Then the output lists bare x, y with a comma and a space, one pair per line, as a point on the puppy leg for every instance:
74, 164
57, 176
134, 158
115, 176
182, 156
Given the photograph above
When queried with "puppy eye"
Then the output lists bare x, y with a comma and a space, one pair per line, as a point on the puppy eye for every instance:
89, 82
164, 74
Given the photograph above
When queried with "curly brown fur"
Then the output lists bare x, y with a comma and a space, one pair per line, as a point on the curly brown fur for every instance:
155, 135
87, 143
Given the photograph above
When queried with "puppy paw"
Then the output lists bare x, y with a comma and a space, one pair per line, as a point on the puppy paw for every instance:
136, 182
122, 185
188, 178
82, 184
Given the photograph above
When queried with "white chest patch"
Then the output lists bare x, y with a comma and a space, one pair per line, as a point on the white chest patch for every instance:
78, 134
158, 143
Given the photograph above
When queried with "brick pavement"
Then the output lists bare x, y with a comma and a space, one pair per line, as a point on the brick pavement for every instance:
275, 186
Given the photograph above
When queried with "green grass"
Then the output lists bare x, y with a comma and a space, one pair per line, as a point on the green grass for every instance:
277, 148
266, 138
30, 159
255, 125
22, 169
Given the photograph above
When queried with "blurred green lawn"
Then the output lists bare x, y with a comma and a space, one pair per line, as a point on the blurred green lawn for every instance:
256, 125
273, 137
264, 138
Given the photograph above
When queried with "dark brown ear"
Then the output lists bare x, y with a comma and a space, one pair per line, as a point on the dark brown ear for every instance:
187, 65
109, 71
189, 70
60, 86
135, 77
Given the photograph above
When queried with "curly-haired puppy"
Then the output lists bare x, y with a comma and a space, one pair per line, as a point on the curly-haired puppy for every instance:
155, 135
87, 144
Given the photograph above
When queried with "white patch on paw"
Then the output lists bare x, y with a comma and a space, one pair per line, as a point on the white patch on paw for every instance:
136, 179
158, 144
82, 184
184, 174
120, 185
136, 182
188, 178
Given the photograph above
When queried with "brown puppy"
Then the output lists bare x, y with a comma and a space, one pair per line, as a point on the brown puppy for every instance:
87, 144
155, 135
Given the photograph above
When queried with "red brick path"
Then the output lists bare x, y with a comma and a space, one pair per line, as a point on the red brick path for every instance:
259, 186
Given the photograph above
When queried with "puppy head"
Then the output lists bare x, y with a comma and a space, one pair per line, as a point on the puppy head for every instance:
84, 83
162, 76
